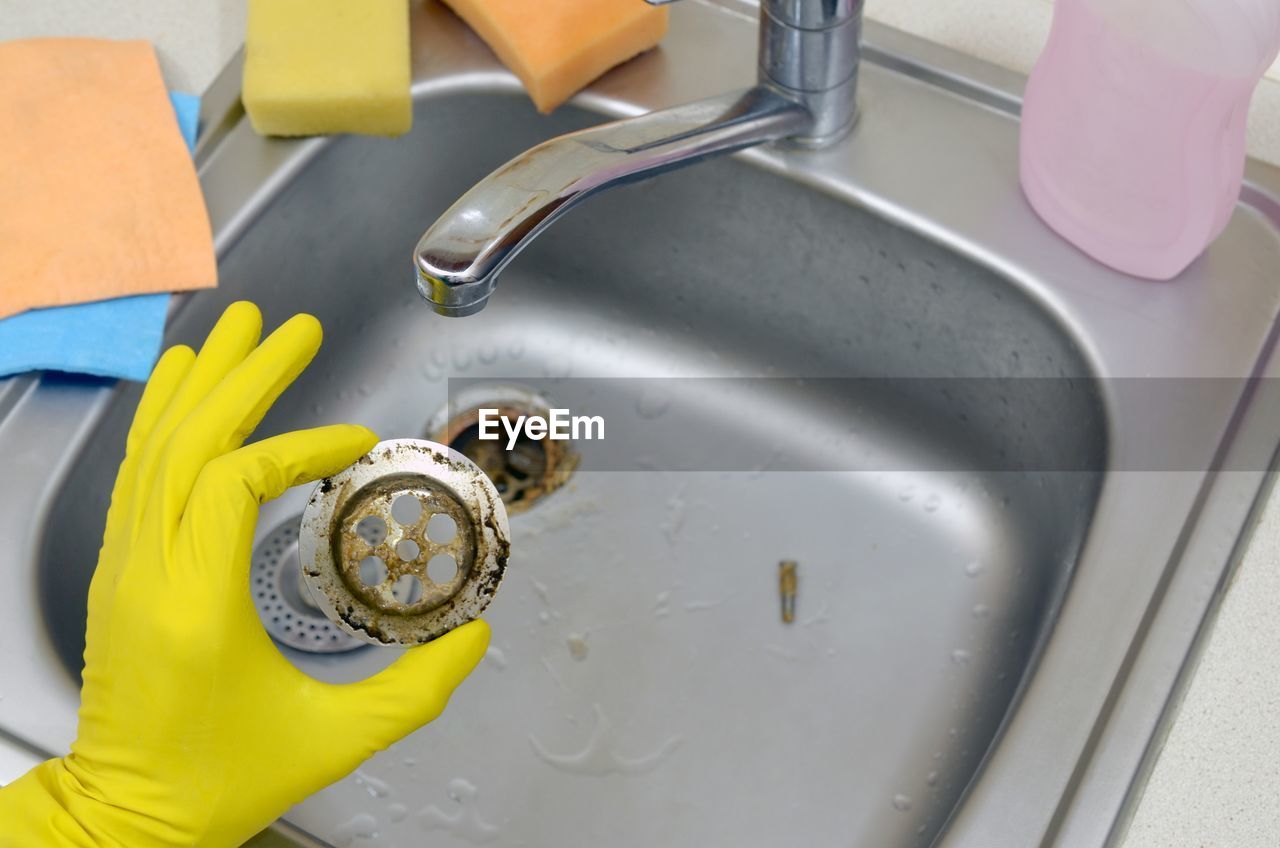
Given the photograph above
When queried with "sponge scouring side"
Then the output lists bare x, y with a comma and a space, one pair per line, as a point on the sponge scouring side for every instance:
328, 66
557, 47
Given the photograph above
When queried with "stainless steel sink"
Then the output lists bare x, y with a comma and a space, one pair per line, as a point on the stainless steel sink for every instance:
1037, 472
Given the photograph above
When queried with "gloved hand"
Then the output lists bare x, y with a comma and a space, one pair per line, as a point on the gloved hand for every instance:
193, 729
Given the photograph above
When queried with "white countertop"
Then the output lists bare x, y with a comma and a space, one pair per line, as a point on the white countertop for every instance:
1217, 781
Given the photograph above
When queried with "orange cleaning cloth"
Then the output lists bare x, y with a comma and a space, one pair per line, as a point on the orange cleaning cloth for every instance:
557, 47
98, 194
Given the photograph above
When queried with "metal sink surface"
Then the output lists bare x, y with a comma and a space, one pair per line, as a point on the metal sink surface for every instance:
1001, 592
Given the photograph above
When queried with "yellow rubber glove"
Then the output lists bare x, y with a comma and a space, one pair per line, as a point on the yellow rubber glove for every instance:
193, 728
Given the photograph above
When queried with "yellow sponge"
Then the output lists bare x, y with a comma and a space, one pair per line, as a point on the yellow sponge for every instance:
328, 66
556, 47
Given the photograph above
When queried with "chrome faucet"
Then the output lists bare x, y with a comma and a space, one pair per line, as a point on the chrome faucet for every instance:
805, 94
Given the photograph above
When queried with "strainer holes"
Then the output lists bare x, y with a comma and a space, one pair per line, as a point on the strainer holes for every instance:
373, 571
408, 588
372, 529
442, 568
407, 550
406, 509
442, 528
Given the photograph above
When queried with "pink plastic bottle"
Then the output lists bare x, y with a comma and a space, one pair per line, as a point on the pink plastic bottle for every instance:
1133, 126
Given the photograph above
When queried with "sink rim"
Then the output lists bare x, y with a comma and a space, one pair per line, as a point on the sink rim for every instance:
1087, 786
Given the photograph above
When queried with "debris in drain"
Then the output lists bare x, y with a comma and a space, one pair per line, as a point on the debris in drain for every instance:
527, 472
787, 582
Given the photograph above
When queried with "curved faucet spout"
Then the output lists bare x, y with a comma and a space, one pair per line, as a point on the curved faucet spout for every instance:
459, 258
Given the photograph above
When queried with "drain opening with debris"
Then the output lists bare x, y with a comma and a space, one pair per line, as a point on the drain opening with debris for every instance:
523, 475
400, 548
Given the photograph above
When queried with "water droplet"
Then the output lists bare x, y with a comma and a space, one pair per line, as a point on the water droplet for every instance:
902, 802
981, 611
465, 822
908, 492
599, 756
932, 778
432, 371
975, 568
375, 786
515, 348
932, 502
488, 353
544, 616
362, 825
960, 656
496, 657
577, 643
397, 811
462, 790
461, 358
662, 604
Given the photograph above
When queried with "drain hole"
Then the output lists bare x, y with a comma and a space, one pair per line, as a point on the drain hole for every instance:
372, 529
528, 471
442, 568
408, 589
407, 550
373, 571
441, 529
406, 510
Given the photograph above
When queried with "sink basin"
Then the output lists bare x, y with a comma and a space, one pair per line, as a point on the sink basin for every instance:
1013, 481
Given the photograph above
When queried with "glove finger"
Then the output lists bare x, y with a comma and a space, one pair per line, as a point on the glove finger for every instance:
166, 377
227, 415
217, 528
228, 343
414, 689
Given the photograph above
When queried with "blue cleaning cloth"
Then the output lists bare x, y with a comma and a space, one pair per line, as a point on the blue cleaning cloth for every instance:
106, 338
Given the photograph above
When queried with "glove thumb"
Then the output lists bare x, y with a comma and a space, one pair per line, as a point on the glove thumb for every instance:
415, 688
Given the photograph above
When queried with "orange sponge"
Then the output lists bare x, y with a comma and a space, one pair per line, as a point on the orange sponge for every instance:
557, 47
98, 195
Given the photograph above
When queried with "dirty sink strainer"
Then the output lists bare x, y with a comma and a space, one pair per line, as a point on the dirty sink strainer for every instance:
405, 545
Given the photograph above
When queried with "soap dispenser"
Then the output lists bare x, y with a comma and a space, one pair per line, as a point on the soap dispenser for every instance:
1133, 124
